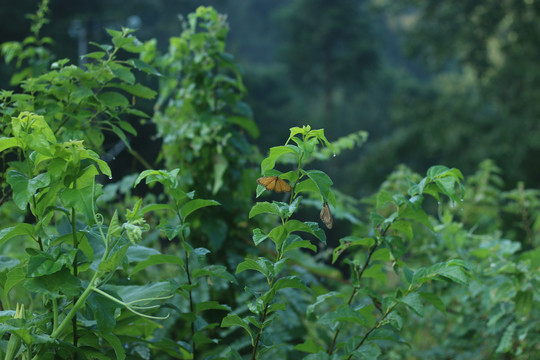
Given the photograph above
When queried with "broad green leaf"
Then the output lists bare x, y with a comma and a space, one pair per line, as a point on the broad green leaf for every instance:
383, 199
55, 284
214, 270
436, 171
435, 300
42, 263
113, 99
81, 200
309, 346
404, 227
122, 72
376, 272
103, 309
210, 305
246, 123
265, 208
138, 90
343, 314
261, 265
157, 260
505, 345
194, 205
6, 143
368, 351
116, 344
21, 229
454, 273
24, 188
283, 283
14, 277
113, 261
321, 299
235, 320
412, 300
275, 153
300, 244
258, 236
322, 181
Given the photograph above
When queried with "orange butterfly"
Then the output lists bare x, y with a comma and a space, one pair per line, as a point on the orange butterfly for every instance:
274, 183
326, 216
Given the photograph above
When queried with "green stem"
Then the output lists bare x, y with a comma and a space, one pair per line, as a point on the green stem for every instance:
353, 294
191, 307
80, 302
55, 313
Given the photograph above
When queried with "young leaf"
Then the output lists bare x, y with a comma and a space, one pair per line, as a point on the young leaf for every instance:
194, 205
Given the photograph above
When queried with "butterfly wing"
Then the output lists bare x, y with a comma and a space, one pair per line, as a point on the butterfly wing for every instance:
326, 216
269, 182
274, 183
282, 186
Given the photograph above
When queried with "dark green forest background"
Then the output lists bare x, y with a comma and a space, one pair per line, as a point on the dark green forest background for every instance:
431, 82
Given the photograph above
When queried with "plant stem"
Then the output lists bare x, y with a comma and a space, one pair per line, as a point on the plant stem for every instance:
353, 293
76, 274
191, 308
256, 344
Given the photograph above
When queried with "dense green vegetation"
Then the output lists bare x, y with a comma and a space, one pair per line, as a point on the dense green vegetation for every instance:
161, 201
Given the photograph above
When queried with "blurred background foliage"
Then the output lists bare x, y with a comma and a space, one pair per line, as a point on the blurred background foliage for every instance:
450, 83
453, 83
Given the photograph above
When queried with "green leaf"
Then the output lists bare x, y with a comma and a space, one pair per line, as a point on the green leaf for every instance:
368, 351
262, 265
103, 309
194, 205
55, 284
24, 188
113, 99
157, 260
309, 346
116, 344
435, 300
265, 208
235, 320
524, 302
322, 181
7, 143
21, 229
14, 277
404, 227
454, 273
81, 200
275, 153
122, 72
412, 300
113, 261
258, 236
214, 270
246, 123
138, 90
210, 305
343, 313
505, 345
375, 271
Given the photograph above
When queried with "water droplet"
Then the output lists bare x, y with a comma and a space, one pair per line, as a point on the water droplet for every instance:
128, 278
438, 202
334, 154
110, 177
461, 200
114, 158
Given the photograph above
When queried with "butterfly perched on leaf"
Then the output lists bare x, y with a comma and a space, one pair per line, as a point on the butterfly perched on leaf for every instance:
274, 183
326, 216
